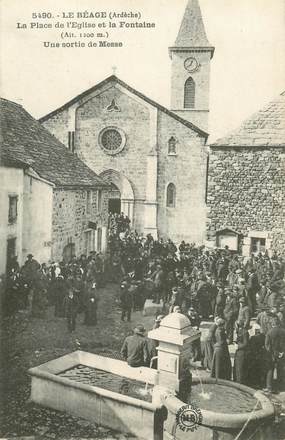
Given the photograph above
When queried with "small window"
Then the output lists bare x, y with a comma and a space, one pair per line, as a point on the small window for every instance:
88, 201
189, 93
257, 245
13, 209
99, 200
170, 196
99, 240
172, 145
71, 141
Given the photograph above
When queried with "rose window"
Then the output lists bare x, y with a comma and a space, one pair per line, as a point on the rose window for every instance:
112, 140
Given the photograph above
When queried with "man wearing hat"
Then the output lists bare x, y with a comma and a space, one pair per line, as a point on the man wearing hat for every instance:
158, 280
135, 349
220, 301
70, 305
126, 298
241, 354
275, 348
252, 287
244, 312
30, 269
230, 314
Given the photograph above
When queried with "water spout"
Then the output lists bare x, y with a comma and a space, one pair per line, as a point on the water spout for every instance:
151, 361
144, 391
203, 394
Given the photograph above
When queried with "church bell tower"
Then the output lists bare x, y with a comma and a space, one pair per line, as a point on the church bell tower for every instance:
190, 74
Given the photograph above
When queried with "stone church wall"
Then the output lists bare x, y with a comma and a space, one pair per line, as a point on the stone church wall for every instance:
133, 119
187, 170
71, 214
142, 126
246, 192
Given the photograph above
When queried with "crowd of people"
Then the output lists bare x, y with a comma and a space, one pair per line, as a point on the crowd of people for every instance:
118, 223
71, 287
216, 285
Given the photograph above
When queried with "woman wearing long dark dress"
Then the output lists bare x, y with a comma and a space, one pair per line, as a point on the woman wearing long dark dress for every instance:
208, 347
221, 365
241, 355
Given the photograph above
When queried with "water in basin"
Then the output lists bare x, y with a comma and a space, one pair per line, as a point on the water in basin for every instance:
109, 381
223, 399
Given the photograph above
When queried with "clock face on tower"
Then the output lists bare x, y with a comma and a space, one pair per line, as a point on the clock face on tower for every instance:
191, 64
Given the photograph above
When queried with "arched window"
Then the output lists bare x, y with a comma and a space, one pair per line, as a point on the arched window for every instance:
189, 93
170, 195
172, 145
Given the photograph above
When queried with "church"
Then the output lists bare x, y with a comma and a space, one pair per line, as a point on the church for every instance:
154, 158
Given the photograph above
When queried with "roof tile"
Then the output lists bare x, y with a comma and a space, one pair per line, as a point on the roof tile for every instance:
264, 128
25, 141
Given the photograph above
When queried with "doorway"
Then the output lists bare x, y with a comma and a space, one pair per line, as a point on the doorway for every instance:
114, 206
11, 251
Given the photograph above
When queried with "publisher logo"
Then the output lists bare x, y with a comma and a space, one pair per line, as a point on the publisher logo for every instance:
189, 417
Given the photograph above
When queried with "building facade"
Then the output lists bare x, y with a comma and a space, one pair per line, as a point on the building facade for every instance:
246, 184
52, 205
154, 158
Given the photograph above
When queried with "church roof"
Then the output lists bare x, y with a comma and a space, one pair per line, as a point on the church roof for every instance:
115, 79
26, 143
266, 128
192, 32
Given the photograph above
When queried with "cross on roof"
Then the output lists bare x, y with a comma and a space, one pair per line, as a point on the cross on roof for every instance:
114, 68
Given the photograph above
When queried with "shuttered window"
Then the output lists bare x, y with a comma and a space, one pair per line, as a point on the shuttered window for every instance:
189, 93
170, 195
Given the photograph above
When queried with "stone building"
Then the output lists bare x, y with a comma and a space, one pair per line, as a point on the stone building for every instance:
52, 205
246, 184
155, 158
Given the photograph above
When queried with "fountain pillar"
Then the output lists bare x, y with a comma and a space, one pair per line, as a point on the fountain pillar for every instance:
175, 336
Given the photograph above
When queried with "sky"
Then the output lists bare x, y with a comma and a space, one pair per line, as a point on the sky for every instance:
247, 70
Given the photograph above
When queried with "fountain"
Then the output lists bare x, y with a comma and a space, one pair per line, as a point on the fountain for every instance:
221, 410
148, 403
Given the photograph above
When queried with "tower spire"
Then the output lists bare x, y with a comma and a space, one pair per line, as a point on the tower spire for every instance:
192, 30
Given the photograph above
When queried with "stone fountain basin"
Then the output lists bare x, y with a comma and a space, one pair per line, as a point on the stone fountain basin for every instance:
222, 426
107, 408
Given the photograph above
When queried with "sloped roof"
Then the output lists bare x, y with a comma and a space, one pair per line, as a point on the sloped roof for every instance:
266, 128
25, 142
115, 79
192, 30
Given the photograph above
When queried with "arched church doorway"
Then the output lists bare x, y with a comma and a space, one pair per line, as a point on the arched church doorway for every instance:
121, 197
114, 203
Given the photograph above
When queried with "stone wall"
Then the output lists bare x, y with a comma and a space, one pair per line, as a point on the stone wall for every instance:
91, 117
145, 128
246, 192
187, 170
132, 119
71, 216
